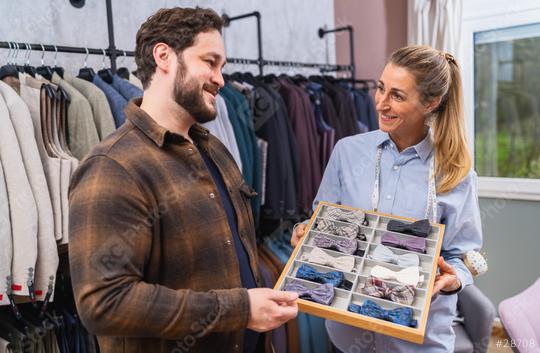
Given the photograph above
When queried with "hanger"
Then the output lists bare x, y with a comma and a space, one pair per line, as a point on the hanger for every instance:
57, 69
123, 71
27, 67
86, 73
9, 70
45, 71
105, 74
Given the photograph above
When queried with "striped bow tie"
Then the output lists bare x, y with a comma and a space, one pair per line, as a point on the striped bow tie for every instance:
346, 246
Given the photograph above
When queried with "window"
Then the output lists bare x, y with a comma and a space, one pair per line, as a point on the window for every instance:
507, 102
500, 61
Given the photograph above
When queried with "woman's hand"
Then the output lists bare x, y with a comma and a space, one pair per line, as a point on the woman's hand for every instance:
446, 280
298, 233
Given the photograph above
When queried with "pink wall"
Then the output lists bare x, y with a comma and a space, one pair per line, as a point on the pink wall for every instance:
380, 27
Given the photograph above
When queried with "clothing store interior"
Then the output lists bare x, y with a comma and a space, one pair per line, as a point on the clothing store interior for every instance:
269, 176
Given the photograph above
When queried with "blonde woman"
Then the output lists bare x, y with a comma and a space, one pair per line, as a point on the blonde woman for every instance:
417, 165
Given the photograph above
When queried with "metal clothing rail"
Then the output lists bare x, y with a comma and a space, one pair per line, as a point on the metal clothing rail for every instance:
113, 53
349, 29
261, 62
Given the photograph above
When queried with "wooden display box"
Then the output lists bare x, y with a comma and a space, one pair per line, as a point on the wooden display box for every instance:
337, 311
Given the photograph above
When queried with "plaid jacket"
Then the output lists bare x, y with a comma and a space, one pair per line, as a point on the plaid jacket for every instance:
152, 256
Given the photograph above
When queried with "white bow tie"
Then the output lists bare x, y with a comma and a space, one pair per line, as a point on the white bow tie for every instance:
408, 276
384, 254
318, 256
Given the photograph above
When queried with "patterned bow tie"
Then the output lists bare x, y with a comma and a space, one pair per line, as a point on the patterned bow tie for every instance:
323, 294
375, 287
346, 246
335, 278
348, 230
413, 244
318, 256
402, 316
408, 276
384, 254
419, 228
350, 216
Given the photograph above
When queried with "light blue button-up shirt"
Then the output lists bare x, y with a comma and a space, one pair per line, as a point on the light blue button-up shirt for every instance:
349, 180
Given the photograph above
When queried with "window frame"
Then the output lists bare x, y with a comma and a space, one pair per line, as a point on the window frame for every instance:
485, 15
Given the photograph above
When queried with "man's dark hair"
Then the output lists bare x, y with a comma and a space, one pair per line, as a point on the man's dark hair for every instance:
176, 27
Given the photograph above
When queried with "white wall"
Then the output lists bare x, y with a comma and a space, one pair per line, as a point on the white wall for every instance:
289, 28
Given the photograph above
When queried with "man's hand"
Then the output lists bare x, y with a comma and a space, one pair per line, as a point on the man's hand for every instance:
447, 279
298, 233
270, 309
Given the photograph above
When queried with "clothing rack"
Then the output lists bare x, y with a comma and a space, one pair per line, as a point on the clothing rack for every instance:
113, 53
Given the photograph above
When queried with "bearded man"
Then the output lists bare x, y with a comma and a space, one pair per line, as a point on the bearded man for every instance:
162, 248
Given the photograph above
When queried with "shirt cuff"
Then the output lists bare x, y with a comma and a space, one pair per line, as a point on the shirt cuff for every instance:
463, 274
234, 309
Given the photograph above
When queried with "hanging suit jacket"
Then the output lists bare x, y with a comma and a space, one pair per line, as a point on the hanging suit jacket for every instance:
82, 132
30, 94
47, 259
22, 207
101, 110
6, 244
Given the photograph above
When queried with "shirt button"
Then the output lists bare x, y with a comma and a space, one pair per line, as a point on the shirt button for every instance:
388, 197
212, 195
190, 150
396, 167
228, 242
236, 347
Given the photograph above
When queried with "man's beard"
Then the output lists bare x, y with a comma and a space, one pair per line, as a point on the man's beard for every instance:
189, 96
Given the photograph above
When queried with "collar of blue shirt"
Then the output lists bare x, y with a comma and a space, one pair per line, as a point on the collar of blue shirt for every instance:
423, 148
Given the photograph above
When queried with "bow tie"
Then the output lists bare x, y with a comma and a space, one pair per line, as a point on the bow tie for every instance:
375, 287
402, 316
346, 246
347, 230
323, 294
350, 216
384, 254
335, 278
408, 276
318, 256
413, 244
419, 228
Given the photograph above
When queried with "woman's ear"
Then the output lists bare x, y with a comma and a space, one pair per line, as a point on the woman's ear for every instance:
433, 105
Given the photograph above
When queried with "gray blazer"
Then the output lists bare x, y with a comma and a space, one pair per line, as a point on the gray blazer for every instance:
30, 94
47, 258
82, 131
6, 244
22, 207
103, 118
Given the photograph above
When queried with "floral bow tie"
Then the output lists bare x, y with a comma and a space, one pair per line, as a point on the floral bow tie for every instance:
402, 316
335, 278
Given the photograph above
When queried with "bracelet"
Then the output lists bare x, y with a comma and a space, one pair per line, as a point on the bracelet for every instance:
455, 291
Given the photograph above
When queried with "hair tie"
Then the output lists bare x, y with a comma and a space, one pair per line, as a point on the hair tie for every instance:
449, 57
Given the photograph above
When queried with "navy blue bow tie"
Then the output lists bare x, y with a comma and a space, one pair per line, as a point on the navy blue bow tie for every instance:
402, 316
419, 228
335, 278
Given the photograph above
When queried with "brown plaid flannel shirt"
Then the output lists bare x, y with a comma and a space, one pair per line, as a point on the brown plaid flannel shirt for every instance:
152, 256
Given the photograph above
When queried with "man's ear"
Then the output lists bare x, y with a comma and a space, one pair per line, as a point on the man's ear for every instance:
433, 105
163, 57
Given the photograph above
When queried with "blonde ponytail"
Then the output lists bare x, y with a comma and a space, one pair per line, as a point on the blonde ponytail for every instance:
437, 74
